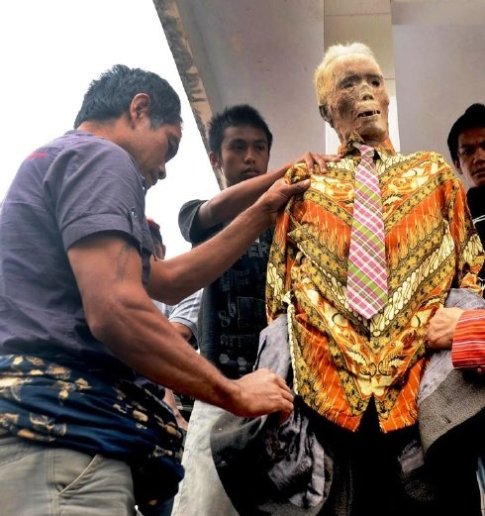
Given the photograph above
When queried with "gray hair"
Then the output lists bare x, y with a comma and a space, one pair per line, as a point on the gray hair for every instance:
320, 78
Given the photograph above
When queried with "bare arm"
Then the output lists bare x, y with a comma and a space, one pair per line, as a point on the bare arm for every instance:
120, 314
228, 203
182, 330
172, 280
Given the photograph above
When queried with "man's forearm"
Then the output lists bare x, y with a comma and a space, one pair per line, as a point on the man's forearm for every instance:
231, 201
139, 335
172, 280
147, 342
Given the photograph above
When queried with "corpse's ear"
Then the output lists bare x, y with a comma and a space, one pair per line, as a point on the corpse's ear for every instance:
324, 113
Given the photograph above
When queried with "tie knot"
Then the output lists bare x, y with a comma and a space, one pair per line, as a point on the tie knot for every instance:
366, 151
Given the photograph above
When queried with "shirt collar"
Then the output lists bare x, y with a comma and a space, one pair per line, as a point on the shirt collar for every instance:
385, 147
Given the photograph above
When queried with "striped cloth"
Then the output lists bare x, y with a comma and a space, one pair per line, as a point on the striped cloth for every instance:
367, 276
468, 349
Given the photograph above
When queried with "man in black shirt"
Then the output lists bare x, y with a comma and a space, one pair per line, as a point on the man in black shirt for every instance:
466, 142
233, 307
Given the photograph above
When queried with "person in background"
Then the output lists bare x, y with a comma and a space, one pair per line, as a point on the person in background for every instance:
183, 317
463, 331
232, 311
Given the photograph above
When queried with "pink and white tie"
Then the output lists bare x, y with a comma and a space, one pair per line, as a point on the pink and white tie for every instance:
367, 271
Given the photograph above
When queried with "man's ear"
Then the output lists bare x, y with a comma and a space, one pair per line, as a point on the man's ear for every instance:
139, 107
215, 160
457, 166
324, 113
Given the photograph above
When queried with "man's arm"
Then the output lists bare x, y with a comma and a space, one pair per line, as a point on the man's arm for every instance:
228, 203
462, 331
122, 316
172, 280
184, 331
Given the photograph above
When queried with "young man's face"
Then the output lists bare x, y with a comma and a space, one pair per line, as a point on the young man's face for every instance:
471, 155
244, 154
357, 100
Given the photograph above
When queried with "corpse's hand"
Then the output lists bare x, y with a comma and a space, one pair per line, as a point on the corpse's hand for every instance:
441, 328
278, 195
261, 392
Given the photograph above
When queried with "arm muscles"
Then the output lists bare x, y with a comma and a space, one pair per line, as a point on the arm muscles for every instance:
122, 316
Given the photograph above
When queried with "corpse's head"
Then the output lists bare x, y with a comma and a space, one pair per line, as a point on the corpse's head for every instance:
351, 93
240, 143
466, 143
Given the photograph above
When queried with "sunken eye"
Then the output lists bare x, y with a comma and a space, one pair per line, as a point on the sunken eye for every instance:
376, 82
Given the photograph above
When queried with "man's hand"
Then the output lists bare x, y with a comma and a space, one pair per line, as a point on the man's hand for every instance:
278, 195
261, 392
441, 328
314, 158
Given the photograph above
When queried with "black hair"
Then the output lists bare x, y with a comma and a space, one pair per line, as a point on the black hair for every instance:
110, 96
472, 118
242, 114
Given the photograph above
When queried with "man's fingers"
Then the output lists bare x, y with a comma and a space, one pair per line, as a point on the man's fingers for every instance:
322, 159
314, 158
296, 188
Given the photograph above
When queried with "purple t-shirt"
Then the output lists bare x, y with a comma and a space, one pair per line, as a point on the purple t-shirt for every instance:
71, 188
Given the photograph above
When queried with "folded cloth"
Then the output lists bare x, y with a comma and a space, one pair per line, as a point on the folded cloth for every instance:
267, 467
450, 400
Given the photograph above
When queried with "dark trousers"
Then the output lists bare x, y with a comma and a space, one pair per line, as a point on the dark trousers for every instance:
368, 480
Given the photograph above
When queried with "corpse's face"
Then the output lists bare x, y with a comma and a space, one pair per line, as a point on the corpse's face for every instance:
244, 153
471, 155
357, 100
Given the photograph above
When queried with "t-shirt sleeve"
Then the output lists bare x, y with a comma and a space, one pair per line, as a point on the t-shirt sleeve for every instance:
96, 188
187, 311
189, 223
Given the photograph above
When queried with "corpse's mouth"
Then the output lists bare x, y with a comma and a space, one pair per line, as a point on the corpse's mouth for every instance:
368, 113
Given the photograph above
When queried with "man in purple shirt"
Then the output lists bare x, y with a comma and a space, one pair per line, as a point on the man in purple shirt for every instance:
77, 321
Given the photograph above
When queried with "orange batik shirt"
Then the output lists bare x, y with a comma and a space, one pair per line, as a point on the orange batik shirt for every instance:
340, 360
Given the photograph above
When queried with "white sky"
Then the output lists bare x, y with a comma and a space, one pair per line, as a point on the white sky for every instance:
50, 50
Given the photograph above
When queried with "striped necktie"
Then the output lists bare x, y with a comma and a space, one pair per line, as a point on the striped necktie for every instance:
367, 273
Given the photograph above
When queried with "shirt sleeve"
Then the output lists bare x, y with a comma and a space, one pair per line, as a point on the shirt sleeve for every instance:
281, 256
468, 348
187, 311
96, 188
189, 223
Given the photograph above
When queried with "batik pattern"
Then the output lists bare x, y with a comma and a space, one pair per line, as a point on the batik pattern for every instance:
340, 359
